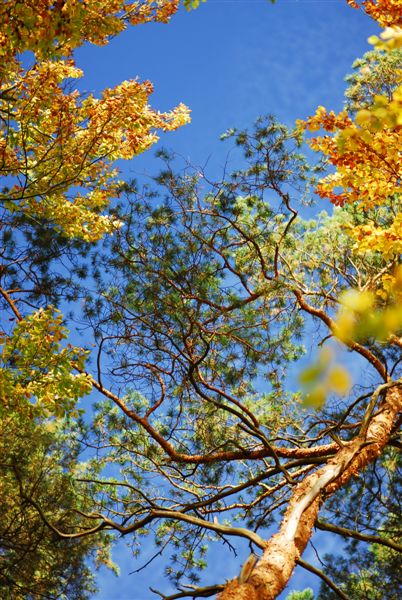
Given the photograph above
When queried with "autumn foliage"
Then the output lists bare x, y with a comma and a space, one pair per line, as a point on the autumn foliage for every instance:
195, 296
56, 28
365, 153
365, 149
385, 12
58, 147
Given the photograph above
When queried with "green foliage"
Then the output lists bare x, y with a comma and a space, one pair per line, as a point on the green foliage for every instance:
364, 574
377, 73
36, 371
192, 4
306, 594
196, 271
37, 466
50, 266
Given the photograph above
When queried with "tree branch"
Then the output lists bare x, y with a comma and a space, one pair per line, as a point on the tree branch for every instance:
226, 455
364, 537
11, 303
330, 323
324, 577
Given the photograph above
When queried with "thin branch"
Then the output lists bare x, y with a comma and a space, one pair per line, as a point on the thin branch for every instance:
324, 577
364, 537
59, 533
178, 516
148, 562
286, 200
225, 455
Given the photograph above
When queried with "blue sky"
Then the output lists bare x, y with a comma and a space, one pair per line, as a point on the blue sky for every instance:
233, 60
229, 61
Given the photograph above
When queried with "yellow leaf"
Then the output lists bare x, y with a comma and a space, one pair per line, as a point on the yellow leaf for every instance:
339, 380
345, 325
357, 301
316, 397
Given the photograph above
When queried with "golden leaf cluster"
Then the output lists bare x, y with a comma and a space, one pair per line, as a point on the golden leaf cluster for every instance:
57, 27
57, 147
385, 12
35, 368
322, 377
368, 167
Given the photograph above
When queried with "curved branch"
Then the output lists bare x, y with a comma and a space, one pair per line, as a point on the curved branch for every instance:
224, 455
59, 533
224, 529
330, 323
152, 515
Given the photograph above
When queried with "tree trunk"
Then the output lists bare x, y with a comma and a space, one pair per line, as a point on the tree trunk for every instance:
274, 569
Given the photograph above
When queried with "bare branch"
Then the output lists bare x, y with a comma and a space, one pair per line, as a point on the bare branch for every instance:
364, 537
324, 578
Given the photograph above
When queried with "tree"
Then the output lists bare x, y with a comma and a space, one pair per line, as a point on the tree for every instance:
38, 463
203, 297
213, 286
57, 147
58, 150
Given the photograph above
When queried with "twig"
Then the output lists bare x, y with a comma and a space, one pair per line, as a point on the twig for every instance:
324, 577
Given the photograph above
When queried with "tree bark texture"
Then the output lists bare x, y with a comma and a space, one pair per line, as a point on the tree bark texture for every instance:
275, 567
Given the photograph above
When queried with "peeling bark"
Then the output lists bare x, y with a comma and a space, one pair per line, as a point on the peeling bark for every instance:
281, 552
